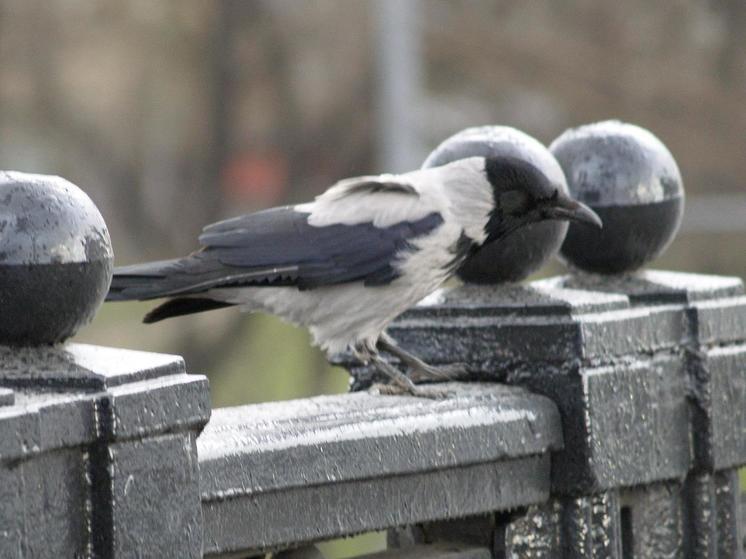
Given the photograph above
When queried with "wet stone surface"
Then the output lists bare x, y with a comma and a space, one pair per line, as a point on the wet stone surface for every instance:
534, 534
627, 424
631, 180
613, 164
97, 453
47, 220
714, 312
619, 356
718, 412
631, 237
654, 522
66, 295
728, 524
655, 286
55, 259
82, 366
363, 455
255, 440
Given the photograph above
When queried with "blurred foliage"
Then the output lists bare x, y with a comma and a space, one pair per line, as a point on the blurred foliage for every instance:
365, 543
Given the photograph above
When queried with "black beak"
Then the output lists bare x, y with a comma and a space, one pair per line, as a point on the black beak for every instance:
572, 210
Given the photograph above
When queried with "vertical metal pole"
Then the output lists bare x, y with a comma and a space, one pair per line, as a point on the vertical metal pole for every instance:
399, 79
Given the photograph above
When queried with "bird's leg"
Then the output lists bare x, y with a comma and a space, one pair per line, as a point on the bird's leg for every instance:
421, 371
400, 383
399, 380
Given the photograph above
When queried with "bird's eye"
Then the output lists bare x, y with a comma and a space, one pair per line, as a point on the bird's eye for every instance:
514, 202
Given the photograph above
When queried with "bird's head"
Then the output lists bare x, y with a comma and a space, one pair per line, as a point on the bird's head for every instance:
524, 195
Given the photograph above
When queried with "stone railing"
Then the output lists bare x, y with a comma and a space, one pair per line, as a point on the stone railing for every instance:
616, 431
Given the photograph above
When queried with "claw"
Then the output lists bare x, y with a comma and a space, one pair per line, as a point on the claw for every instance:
429, 373
419, 370
429, 392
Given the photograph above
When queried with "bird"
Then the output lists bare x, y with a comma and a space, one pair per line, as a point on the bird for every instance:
361, 253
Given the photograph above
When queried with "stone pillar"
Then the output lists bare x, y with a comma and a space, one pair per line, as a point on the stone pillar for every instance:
97, 445
611, 368
713, 351
648, 373
98, 455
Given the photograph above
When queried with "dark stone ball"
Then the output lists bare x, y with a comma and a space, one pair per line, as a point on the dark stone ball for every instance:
55, 259
631, 180
528, 249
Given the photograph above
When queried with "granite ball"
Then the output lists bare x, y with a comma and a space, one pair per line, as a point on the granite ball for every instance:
529, 248
55, 259
631, 180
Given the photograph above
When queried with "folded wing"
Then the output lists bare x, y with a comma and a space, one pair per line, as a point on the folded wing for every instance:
276, 247
280, 247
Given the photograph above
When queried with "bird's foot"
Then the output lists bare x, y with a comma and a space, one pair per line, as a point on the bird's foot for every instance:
401, 383
431, 392
423, 372
419, 371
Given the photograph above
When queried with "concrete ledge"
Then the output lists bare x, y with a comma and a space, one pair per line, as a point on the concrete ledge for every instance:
77, 367
279, 474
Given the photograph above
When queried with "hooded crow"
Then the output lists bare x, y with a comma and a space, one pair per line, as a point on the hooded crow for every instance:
364, 251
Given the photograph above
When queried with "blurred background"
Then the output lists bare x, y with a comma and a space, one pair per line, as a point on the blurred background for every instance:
172, 114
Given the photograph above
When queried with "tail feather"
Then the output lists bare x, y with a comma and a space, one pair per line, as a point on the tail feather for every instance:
146, 281
155, 280
181, 306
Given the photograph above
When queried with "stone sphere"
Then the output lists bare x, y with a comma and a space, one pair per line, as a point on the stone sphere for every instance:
55, 259
631, 180
528, 249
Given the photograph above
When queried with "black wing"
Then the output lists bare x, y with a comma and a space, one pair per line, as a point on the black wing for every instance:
276, 247
281, 247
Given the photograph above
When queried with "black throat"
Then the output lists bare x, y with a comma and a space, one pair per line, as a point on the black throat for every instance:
505, 173
462, 249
